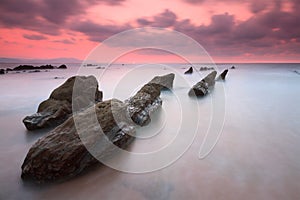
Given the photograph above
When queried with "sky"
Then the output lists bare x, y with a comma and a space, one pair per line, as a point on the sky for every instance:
229, 30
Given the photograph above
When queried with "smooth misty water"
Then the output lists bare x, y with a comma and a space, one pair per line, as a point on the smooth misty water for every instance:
257, 156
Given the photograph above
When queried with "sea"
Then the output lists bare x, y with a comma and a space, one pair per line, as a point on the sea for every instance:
241, 141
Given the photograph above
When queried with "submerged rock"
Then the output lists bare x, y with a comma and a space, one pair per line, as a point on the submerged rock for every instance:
58, 107
166, 81
189, 71
222, 76
203, 87
62, 153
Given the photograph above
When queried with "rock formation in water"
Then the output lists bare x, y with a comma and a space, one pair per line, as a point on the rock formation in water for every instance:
189, 71
63, 66
206, 68
58, 107
62, 153
166, 81
2, 71
232, 67
222, 76
204, 86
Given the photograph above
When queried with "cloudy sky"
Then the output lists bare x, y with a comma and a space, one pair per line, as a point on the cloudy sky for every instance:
230, 30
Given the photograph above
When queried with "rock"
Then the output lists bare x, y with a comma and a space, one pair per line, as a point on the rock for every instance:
189, 71
233, 67
58, 107
143, 103
61, 153
25, 67
9, 69
166, 81
46, 67
203, 87
62, 66
206, 68
2, 71
222, 76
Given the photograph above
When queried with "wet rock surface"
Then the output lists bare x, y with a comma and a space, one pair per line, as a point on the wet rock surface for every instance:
61, 153
58, 107
203, 87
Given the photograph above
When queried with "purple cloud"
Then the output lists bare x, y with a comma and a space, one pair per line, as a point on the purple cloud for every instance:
164, 20
34, 37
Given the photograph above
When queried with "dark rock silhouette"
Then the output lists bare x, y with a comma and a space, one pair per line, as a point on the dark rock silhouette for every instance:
2, 71
233, 67
204, 86
58, 107
61, 153
206, 68
62, 66
222, 76
189, 71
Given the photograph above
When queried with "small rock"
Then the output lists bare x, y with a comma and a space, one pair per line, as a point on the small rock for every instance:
222, 76
189, 71
62, 67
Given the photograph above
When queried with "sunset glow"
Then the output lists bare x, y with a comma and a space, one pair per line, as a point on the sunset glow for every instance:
230, 30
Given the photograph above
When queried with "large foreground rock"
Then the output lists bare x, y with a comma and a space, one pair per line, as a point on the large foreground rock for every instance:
61, 154
204, 86
58, 107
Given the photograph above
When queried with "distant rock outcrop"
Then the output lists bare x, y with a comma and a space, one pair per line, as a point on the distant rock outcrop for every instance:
189, 71
62, 154
58, 107
62, 66
203, 87
206, 68
222, 76
2, 71
232, 67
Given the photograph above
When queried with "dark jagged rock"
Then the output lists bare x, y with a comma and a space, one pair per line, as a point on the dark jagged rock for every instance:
9, 69
189, 71
58, 107
222, 76
62, 154
166, 81
62, 66
203, 87
2, 71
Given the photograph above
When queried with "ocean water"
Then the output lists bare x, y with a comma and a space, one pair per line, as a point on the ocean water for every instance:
257, 149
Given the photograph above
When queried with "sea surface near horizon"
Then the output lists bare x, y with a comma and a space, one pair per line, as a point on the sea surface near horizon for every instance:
256, 157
